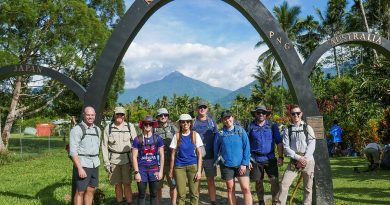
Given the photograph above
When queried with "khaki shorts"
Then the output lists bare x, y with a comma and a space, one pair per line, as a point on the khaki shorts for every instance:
120, 174
166, 176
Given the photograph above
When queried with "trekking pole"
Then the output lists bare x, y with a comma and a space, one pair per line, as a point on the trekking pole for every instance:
296, 188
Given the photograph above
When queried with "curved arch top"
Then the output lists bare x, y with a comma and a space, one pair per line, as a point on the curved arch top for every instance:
375, 41
15, 70
255, 12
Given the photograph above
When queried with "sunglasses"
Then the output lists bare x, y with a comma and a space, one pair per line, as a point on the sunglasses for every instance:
295, 113
163, 115
185, 121
120, 114
261, 113
148, 124
202, 107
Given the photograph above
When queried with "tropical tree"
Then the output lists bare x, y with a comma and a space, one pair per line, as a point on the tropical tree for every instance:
66, 36
332, 24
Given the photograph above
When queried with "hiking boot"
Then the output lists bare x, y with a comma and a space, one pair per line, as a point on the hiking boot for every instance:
261, 203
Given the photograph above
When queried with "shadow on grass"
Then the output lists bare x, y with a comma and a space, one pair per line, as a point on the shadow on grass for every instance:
375, 195
45, 195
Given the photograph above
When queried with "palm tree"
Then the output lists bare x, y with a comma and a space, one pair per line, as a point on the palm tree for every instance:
290, 22
333, 23
266, 75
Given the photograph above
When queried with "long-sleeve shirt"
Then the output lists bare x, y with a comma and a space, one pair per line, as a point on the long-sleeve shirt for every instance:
88, 146
116, 146
299, 143
233, 146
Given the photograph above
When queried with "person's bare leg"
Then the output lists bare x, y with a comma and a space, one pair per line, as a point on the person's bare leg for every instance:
128, 193
245, 189
88, 196
231, 189
173, 194
78, 198
119, 192
211, 188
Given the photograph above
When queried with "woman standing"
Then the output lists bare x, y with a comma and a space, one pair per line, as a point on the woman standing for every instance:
148, 157
233, 156
186, 160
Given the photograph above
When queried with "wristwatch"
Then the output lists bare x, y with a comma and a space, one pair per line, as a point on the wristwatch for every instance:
136, 172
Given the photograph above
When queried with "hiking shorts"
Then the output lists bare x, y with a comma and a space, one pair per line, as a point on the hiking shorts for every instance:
209, 169
148, 174
166, 176
121, 174
258, 170
229, 173
92, 179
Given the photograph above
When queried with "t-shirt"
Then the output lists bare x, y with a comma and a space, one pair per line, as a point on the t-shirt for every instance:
207, 130
148, 154
185, 152
336, 132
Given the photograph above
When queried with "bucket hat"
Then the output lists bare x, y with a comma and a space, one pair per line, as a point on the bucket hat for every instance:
162, 111
259, 107
148, 119
119, 110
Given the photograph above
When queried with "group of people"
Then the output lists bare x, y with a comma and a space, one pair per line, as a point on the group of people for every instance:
179, 152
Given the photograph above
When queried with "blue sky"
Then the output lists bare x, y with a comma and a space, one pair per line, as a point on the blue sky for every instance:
207, 40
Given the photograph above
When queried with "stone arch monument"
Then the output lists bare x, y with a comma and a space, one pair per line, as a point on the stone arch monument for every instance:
266, 25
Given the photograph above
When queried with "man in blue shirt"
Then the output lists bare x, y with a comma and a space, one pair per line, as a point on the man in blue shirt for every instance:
207, 128
263, 135
337, 133
232, 153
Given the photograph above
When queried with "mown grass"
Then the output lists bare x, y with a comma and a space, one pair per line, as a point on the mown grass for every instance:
40, 176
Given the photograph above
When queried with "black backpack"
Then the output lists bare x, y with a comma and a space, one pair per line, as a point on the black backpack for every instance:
289, 128
84, 131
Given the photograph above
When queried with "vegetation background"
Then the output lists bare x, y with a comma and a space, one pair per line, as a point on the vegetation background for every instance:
69, 36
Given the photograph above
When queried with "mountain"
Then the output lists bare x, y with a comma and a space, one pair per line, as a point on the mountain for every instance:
227, 100
174, 83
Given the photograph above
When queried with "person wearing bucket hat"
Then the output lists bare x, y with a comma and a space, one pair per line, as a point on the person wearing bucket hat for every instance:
207, 129
263, 135
186, 160
148, 160
233, 155
166, 130
116, 149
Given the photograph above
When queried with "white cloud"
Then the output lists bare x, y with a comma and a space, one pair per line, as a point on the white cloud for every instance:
228, 67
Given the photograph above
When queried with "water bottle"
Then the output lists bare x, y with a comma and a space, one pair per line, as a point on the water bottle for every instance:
173, 182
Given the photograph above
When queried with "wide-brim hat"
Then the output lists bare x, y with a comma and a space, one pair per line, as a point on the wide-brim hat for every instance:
184, 117
259, 107
148, 119
162, 111
119, 110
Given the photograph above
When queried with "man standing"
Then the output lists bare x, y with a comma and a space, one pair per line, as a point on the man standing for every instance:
263, 135
207, 128
116, 148
84, 150
166, 130
299, 143
337, 133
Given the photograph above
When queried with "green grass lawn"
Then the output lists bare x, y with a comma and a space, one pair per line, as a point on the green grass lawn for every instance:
40, 176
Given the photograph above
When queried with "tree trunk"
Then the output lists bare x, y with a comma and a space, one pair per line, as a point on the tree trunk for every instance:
336, 62
365, 22
12, 115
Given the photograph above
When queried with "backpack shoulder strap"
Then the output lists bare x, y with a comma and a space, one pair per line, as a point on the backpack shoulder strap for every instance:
110, 128
140, 141
84, 131
289, 129
172, 129
239, 130
305, 131
155, 140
